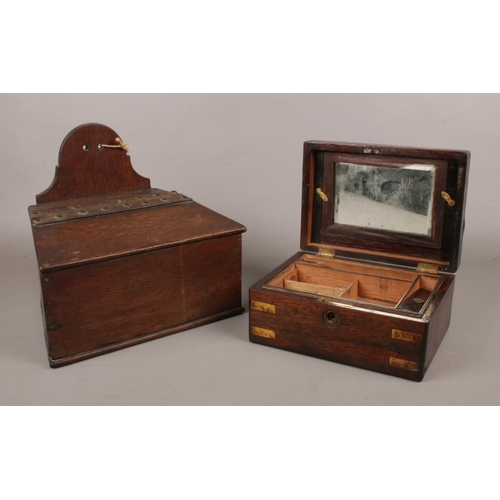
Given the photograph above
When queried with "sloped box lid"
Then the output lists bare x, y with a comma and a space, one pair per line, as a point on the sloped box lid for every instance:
99, 208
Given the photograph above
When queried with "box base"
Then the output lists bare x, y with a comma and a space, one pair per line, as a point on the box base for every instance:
373, 336
56, 363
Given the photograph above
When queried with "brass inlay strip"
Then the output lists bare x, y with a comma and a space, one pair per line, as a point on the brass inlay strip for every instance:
263, 332
407, 336
403, 363
263, 307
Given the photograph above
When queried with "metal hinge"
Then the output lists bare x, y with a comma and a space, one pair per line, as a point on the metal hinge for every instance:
326, 252
425, 267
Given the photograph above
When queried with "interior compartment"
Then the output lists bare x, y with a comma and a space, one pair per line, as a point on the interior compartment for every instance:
365, 283
419, 293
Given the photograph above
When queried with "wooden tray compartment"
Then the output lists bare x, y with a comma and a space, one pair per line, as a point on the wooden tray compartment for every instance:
363, 283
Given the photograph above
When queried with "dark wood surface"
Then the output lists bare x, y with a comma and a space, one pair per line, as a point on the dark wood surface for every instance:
129, 300
94, 239
363, 337
139, 339
85, 169
439, 317
386, 245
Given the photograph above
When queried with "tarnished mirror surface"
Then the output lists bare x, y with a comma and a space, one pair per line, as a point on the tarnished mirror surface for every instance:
392, 199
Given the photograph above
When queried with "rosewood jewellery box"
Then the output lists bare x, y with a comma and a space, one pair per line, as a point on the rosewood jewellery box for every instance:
381, 235
121, 263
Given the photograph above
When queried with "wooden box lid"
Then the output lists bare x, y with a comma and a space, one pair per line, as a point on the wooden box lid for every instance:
98, 207
397, 205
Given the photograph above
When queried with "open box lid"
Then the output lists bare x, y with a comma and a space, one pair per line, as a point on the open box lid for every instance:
98, 207
397, 205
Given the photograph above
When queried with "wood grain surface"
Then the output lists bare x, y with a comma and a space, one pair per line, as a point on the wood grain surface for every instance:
85, 169
111, 302
93, 239
121, 263
361, 336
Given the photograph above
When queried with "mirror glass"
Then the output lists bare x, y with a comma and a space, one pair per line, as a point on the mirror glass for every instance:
393, 199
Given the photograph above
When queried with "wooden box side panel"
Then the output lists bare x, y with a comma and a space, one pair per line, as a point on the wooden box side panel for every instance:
362, 338
440, 321
98, 305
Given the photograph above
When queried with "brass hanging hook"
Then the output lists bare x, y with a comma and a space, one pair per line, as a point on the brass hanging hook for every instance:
121, 144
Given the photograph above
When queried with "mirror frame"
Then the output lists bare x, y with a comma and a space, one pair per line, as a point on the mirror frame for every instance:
331, 229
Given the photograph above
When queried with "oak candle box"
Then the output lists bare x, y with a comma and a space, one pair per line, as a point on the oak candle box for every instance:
381, 237
121, 263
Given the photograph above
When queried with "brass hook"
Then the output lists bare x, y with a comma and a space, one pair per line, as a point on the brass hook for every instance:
121, 144
447, 198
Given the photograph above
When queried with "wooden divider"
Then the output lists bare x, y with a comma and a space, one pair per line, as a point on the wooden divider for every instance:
361, 282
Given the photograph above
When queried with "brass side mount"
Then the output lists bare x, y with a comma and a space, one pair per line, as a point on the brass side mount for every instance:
448, 198
321, 194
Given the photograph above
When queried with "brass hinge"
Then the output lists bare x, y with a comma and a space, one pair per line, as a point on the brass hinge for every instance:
326, 252
425, 267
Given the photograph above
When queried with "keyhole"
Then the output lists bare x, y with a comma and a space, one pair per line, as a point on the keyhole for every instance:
331, 319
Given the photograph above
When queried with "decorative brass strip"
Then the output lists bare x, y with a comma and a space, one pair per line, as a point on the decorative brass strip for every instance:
404, 364
407, 336
66, 210
263, 307
426, 267
263, 332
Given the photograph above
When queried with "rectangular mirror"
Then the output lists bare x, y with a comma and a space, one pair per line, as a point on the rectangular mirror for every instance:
392, 199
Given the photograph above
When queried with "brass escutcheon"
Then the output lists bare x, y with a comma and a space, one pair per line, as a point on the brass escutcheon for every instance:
331, 319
